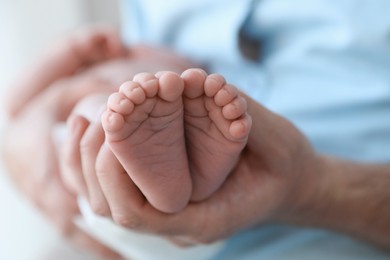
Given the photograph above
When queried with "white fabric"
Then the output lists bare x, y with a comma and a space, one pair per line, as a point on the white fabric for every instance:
136, 245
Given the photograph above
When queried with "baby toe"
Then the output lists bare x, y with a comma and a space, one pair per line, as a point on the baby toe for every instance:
239, 129
112, 121
225, 95
148, 82
120, 103
235, 109
213, 84
133, 91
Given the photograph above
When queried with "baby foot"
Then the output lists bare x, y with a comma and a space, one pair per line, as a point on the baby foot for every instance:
216, 129
144, 128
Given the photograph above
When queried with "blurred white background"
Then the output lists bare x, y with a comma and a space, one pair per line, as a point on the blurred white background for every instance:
26, 28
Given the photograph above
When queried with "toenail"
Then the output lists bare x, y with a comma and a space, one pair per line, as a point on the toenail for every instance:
215, 80
201, 72
234, 106
122, 102
241, 128
150, 82
110, 117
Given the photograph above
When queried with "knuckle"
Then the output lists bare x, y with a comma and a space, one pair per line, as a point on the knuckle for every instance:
190, 240
86, 144
65, 228
208, 241
102, 169
64, 231
202, 233
204, 240
183, 242
37, 203
100, 208
130, 221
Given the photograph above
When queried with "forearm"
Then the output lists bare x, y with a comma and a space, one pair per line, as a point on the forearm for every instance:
351, 198
322, 192
63, 59
55, 103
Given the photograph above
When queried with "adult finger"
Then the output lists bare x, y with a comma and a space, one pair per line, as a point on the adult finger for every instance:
64, 58
89, 147
124, 198
70, 158
60, 207
94, 44
130, 209
245, 199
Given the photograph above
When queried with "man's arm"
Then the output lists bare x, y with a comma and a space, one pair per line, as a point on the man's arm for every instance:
29, 154
352, 198
279, 178
323, 192
68, 56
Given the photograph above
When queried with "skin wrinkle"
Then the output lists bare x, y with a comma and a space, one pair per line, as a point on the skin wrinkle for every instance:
295, 189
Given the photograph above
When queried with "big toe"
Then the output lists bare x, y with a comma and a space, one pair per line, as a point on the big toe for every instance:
171, 86
194, 82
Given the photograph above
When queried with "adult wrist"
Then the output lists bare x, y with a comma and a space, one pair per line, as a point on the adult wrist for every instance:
309, 197
349, 198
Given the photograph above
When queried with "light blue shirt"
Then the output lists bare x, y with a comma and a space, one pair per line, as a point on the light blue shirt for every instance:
325, 65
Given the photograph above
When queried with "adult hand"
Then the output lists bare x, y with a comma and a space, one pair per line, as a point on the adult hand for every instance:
31, 158
38, 104
66, 57
82, 50
273, 177
279, 178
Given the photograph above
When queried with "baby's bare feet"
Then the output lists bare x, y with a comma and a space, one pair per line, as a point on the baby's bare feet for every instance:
144, 128
216, 129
